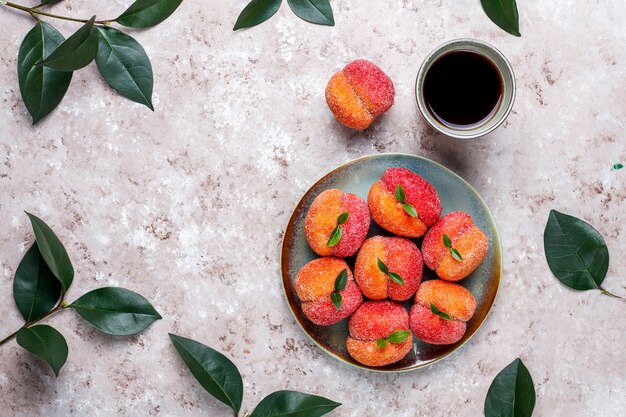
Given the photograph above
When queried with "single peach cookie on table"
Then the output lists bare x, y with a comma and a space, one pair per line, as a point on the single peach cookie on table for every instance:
359, 93
379, 333
388, 267
404, 203
441, 311
327, 290
455, 246
337, 223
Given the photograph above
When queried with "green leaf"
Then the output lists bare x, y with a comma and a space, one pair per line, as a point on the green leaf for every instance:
435, 310
76, 52
123, 63
342, 218
504, 14
256, 12
512, 393
35, 288
575, 251
398, 336
335, 236
314, 11
341, 280
52, 251
50, 2
214, 371
447, 242
456, 254
45, 342
409, 209
293, 404
399, 194
147, 13
396, 278
116, 311
42, 88
383, 268
336, 298
617, 166
381, 343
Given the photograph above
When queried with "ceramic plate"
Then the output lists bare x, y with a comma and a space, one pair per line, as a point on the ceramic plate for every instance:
357, 177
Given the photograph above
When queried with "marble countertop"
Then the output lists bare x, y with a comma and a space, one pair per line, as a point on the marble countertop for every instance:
187, 205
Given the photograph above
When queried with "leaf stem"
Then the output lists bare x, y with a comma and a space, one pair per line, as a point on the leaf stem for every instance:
35, 11
605, 292
61, 306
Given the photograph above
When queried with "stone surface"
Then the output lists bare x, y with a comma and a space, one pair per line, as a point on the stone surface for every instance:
187, 205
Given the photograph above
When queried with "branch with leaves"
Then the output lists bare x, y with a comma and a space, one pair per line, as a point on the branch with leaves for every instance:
40, 285
46, 60
221, 378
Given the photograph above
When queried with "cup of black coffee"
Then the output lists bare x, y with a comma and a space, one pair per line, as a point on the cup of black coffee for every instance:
465, 88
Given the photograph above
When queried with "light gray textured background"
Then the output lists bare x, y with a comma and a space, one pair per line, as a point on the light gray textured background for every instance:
187, 205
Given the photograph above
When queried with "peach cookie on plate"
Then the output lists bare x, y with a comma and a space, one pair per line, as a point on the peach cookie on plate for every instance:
404, 203
379, 333
337, 223
454, 247
327, 290
388, 267
441, 311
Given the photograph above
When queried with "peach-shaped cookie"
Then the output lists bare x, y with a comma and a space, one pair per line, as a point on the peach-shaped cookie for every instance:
454, 247
404, 203
379, 333
327, 214
441, 311
388, 267
359, 93
316, 286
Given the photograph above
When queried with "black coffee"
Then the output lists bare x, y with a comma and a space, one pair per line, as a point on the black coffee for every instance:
462, 89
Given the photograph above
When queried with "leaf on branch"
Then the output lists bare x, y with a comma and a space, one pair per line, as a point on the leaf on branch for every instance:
146, 13
257, 12
42, 88
315, 11
116, 311
294, 404
76, 52
45, 342
214, 371
124, 64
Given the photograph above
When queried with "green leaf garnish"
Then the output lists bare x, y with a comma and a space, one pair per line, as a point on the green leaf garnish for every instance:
383, 268
256, 12
314, 11
381, 343
341, 280
504, 14
440, 313
392, 275
399, 194
342, 218
42, 89
447, 242
293, 404
396, 278
45, 342
336, 298
214, 371
456, 254
335, 236
617, 166
512, 392
398, 336
410, 209
576, 253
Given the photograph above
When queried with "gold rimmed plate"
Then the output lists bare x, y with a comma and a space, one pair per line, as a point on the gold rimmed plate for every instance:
357, 177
